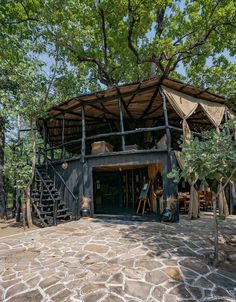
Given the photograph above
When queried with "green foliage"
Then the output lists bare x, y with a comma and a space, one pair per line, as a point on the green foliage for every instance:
18, 157
213, 157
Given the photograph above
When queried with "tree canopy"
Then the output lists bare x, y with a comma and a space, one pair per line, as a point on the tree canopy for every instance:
106, 42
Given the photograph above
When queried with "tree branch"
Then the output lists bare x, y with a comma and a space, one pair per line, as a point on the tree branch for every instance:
102, 15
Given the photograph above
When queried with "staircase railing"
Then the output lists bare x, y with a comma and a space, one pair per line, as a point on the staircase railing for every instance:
67, 188
55, 202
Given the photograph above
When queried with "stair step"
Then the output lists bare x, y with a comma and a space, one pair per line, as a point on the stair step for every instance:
49, 205
51, 212
64, 216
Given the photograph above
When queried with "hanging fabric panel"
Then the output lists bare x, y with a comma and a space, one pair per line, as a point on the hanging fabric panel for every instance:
183, 104
186, 132
214, 111
179, 159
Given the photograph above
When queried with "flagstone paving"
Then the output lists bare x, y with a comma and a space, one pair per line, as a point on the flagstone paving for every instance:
114, 261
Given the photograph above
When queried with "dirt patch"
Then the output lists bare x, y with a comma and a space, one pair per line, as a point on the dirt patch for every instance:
66, 229
22, 256
11, 227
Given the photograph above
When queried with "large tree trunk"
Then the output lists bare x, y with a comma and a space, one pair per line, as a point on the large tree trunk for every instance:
28, 186
194, 203
2, 189
223, 206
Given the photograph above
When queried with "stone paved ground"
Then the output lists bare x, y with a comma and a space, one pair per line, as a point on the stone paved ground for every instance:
96, 260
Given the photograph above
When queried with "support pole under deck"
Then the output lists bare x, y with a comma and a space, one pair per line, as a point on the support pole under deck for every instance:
83, 146
63, 137
121, 124
170, 188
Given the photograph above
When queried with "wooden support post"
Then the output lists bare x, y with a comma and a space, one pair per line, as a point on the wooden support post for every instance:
168, 135
121, 124
83, 148
63, 137
83, 144
172, 188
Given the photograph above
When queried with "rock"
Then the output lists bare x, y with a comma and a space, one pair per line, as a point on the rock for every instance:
170, 262
91, 287
138, 289
33, 281
1, 294
156, 277
97, 248
202, 282
169, 298
195, 265
158, 292
195, 291
173, 272
9, 283
30, 296
62, 296
180, 291
117, 290
148, 264
220, 292
207, 293
93, 258
101, 278
54, 289
49, 281
134, 273
112, 298
94, 296
186, 252
222, 281
116, 279
188, 274
9, 277
15, 289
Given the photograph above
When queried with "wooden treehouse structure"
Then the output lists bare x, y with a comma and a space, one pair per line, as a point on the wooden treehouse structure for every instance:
106, 145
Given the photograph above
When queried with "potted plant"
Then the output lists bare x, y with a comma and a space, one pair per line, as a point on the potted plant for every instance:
85, 207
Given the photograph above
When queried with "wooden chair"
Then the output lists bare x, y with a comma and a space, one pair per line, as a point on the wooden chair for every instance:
208, 199
201, 200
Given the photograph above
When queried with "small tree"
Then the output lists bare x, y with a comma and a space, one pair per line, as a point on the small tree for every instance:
212, 160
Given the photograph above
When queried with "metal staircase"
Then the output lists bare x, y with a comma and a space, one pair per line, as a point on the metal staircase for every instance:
48, 206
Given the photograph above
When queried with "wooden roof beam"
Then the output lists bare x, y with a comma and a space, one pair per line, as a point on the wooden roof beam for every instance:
105, 99
150, 103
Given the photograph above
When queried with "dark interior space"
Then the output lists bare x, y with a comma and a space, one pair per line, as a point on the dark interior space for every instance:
117, 189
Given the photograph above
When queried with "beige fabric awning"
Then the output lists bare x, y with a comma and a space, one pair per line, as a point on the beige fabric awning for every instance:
185, 105
214, 111
186, 132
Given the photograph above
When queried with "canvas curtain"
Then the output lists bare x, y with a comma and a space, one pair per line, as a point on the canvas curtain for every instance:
213, 111
185, 105
186, 131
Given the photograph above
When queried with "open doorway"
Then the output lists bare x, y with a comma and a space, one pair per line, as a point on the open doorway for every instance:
117, 189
